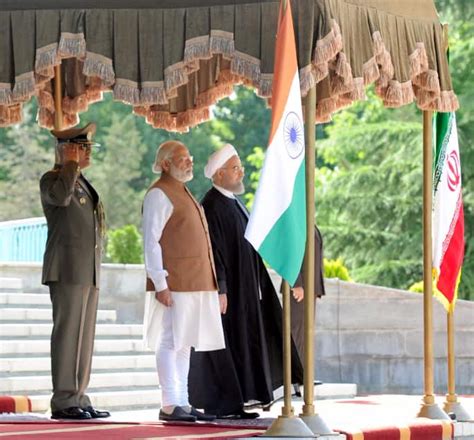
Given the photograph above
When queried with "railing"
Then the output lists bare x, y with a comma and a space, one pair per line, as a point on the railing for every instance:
23, 240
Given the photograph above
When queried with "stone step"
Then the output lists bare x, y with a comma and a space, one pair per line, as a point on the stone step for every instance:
132, 362
27, 314
33, 385
41, 365
112, 400
23, 347
44, 330
10, 284
29, 299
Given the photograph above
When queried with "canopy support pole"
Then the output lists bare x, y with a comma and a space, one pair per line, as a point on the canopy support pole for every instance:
287, 425
429, 408
451, 404
309, 416
58, 98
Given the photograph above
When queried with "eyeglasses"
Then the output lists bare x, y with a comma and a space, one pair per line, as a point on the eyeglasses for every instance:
235, 168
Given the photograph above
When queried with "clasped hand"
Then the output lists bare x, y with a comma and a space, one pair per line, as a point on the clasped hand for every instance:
164, 297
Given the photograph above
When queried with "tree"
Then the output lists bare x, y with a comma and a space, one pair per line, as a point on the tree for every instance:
117, 165
23, 159
368, 197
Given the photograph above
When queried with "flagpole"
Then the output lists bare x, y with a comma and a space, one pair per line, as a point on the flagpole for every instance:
429, 408
58, 110
315, 422
451, 404
287, 425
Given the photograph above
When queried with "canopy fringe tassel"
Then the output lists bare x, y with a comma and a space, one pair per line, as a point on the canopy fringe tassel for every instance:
72, 46
127, 91
101, 67
222, 42
154, 93
152, 99
24, 87
46, 59
5, 95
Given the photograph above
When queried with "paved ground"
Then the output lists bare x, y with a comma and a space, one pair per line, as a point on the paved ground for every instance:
347, 414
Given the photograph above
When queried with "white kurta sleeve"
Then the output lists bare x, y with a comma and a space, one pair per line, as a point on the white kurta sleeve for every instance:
157, 209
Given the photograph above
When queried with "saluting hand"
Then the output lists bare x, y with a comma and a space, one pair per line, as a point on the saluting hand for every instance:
164, 297
71, 153
223, 303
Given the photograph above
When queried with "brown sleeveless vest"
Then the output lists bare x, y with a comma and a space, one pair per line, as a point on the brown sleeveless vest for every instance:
185, 242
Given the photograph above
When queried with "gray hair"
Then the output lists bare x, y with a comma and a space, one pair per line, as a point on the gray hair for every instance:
165, 152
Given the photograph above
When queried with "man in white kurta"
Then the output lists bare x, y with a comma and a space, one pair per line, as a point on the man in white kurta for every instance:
182, 305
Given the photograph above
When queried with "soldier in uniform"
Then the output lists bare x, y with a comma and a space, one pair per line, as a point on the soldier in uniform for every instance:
71, 269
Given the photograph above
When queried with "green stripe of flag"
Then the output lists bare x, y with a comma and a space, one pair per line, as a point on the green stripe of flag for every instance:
288, 232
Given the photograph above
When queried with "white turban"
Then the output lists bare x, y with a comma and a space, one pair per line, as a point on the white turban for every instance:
219, 158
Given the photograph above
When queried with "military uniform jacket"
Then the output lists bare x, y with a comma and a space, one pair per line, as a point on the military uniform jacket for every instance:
73, 247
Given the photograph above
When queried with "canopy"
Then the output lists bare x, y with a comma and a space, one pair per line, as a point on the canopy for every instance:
172, 59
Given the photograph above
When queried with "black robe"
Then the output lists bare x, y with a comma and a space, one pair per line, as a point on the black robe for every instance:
250, 367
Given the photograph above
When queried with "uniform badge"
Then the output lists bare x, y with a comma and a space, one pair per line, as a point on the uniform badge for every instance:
82, 200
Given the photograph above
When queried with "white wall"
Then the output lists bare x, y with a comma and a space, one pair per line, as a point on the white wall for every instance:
369, 335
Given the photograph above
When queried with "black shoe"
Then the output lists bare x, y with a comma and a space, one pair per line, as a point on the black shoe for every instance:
73, 413
248, 415
178, 415
317, 382
241, 415
297, 389
204, 417
96, 413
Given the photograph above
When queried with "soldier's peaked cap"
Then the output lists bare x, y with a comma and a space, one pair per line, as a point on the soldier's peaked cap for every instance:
83, 135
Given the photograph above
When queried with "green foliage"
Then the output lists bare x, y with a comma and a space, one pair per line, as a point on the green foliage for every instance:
117, 165
23, 160
255, 159
416, 287
368, 195
125, 245
336, 269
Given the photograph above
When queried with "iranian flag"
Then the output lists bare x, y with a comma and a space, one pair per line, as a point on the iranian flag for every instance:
277, 224
448, 215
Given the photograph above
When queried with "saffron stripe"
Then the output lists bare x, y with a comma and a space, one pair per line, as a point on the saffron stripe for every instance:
285, 67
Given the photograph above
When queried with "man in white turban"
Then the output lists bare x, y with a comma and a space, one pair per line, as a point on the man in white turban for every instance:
250, 367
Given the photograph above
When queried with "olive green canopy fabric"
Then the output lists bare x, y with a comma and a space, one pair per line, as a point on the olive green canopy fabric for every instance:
172, 59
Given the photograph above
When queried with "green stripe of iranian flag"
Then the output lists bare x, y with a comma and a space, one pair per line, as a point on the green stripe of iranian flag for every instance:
277, 224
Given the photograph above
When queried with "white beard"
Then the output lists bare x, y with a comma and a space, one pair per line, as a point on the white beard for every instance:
180, 175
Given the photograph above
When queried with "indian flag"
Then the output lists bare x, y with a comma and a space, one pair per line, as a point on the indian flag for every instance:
448, 214
277, 224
